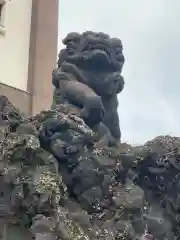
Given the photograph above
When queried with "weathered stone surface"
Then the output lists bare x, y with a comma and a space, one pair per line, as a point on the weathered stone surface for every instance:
56, 183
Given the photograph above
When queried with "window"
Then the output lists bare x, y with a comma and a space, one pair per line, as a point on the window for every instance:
2, 7
1, 11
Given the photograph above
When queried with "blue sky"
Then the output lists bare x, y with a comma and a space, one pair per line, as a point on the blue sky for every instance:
150, 32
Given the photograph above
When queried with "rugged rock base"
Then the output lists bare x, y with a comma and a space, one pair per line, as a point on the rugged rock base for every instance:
56, 185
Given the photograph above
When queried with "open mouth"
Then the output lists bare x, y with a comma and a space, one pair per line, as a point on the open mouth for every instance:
98, 55
104, 49
103, 52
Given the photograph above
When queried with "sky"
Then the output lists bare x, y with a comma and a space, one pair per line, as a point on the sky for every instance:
150, 32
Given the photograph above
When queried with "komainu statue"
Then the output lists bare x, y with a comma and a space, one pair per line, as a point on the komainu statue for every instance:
63, 175
88, 76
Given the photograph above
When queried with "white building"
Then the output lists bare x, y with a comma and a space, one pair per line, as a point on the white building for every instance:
28, 50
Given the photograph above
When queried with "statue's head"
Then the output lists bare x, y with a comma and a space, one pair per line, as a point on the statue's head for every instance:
93, 50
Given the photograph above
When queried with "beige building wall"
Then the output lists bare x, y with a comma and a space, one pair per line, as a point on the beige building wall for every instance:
28, 53
14, 43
